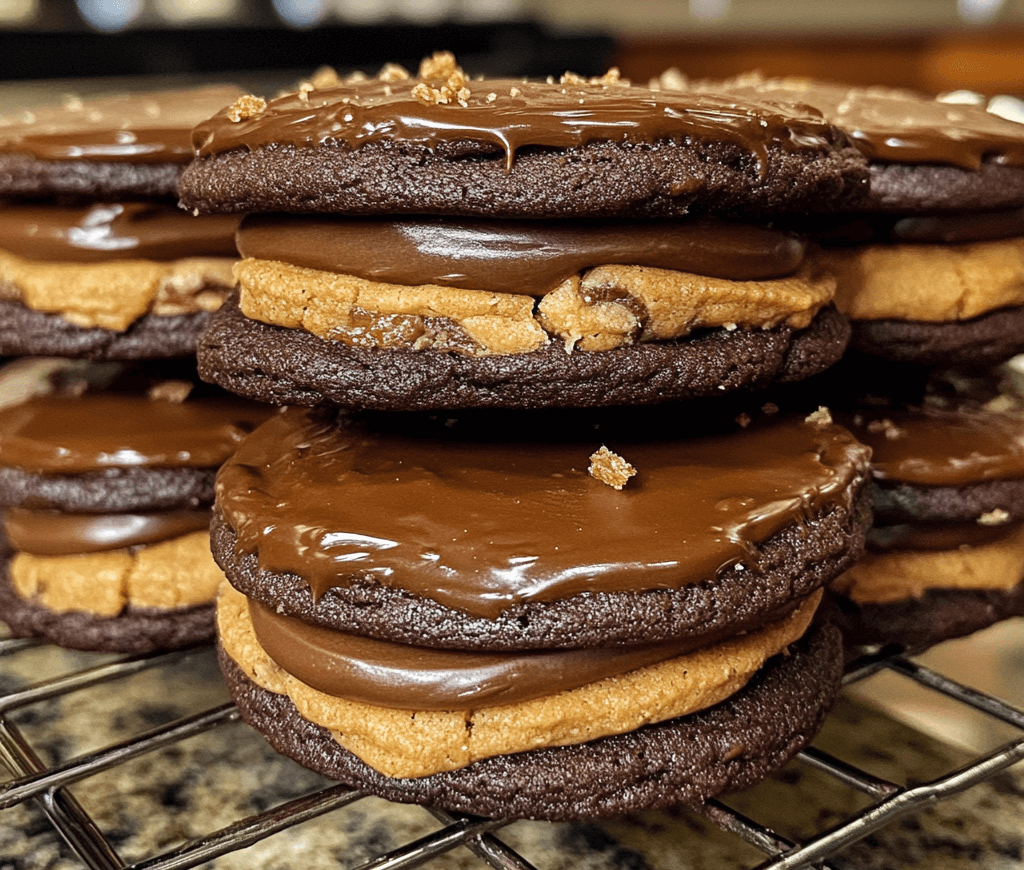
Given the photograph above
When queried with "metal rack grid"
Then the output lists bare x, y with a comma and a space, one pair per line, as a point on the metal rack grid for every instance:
48, 786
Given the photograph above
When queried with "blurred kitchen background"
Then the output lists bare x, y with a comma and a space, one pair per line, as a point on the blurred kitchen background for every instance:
933, 45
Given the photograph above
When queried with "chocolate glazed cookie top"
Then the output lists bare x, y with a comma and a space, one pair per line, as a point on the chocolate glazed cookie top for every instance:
506, 115
937, 447
515, 256
895, 126
482, 526
114, 231
124, 128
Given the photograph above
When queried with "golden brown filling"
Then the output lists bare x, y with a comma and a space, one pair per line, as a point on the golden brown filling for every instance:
409, 743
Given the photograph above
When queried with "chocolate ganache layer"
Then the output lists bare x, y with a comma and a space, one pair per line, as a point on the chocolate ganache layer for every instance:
53, 533
529, 257
482, 527
113, 231
138, 128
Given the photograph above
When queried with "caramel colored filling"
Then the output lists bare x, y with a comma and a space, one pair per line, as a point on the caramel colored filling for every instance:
932, 283
113, 295
172, 574
882, 578
604, 308
409, 743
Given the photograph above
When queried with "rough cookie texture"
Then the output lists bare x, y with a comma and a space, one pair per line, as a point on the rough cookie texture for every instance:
169, 575
604, 308
982, 342
413, 743
681, 761
794, 562
939, 614
24, 177
905, 189
24, 332
114, 295
289, 366
896, 502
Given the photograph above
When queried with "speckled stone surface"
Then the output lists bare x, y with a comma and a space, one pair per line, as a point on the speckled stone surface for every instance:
154, 804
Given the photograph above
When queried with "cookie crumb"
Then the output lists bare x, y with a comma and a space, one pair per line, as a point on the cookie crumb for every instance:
887, 428
821, 417
246, 107
610, 468
393, 72
743, 420
995, 517
769, 408
670, 80
170, 391
440, 65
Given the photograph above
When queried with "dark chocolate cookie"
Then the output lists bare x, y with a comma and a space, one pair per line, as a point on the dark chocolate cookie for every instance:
134, 630
24, 177
291, 366
115, 490
683, 761
982, 342
796, 561
897, 502
24, 332
901, 188
601, 179
939, 614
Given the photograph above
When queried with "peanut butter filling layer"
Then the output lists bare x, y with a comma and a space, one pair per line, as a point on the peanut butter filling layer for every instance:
168, 575
603, 308
113, 295
881, 578
409, 743
931, 283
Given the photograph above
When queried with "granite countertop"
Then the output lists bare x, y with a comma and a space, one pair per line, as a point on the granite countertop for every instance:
155, 803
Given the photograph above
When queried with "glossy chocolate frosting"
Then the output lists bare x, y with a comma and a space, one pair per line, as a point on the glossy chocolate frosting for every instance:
133, 128
405, 677
52, 533
527, 257
895, 126
65, 434
506, 115
481, 526
114, 231
940, 447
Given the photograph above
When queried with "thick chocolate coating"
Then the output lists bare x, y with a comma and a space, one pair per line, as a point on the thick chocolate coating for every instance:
291, 366
532, 257
52, 533
63, 434
482, 527
407, 677
124, 128
942, 447
682, 761
113, 231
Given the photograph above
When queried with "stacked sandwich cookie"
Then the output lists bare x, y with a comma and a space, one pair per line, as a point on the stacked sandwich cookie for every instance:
106, 480
443, 583
96, 261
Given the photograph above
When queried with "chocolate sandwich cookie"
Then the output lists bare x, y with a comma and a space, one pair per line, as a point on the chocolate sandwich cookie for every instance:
128, 280
426, 609
938, 280
946, 554
96, 261
106, 476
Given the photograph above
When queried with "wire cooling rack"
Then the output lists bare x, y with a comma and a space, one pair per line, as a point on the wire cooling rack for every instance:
50, 785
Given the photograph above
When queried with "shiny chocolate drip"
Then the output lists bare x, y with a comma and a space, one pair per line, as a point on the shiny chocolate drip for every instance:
527, 257
51, 533
114, 231
506, 115
125, 128
483, 526
937, 536
938, 447
63, 434
895, 126
406, 677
